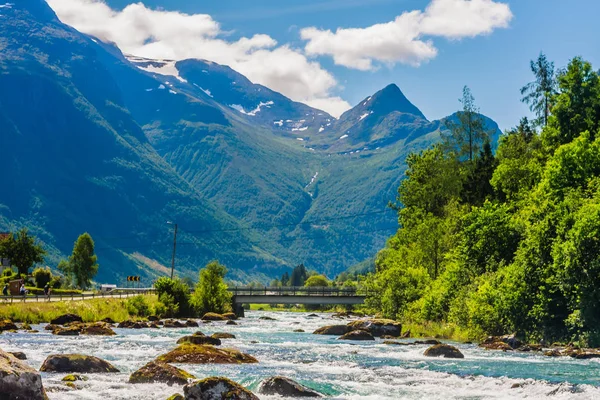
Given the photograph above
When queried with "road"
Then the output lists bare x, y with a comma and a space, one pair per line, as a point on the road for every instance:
77, 297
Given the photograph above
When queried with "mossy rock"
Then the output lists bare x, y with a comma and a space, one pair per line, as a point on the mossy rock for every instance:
191, 323
357, 335
443, 350
336, 330
162, 373
377, 327
74, 378
69, 331
176, 396
214, 317
51, 327
7, 325
97, 329
217, 388
230, 316
299, 330
197, 339
76, 363
231, 322
222, 335
285, 387
66, 318
203, 354
19, 355
25, 326
496, 346
18, 380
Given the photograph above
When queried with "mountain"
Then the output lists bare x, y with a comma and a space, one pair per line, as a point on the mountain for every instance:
117, 144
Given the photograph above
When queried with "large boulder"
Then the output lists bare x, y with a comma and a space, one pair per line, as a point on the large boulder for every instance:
198, 354
214, 317
132, 325
217, 389
19, 355
176, 396
161, 373
7, 325
199, 339
230, 315
97, 329
443, 350
285, 387
378, 327
76, 363
222, 335
65, 319
357, 335
511, 340
18, 381
336, 330
68, 331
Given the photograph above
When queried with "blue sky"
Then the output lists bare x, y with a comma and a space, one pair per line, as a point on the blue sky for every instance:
494, 65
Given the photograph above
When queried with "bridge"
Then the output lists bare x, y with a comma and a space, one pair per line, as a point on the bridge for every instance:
295, 295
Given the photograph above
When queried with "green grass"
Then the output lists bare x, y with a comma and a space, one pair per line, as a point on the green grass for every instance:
90, 310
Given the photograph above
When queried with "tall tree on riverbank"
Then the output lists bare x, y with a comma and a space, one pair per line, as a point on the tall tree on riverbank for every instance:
22, 250
82, 265
211, 293
467, 131
538, 94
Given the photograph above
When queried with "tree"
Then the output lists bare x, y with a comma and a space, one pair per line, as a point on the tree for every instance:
42, 276
211, 293
317, 281
82, 266
285, 279
467, 130
477, 187
174, 295
299, 276
539, 93
22, 250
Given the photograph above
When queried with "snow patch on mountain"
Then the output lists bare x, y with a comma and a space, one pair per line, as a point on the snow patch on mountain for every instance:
343, 137
267, 104
161, 67
208, 93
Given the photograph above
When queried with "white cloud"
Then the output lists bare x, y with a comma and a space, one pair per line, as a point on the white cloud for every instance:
402, 40
162, 34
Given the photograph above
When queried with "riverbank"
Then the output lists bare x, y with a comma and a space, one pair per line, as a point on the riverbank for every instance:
90, 310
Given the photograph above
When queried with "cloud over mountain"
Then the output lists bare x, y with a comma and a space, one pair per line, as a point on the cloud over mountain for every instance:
404, 39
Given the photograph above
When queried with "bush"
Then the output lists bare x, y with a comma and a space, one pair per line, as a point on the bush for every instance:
56, 282
179, 292
42, 276
138, 306
166, 307
55, 292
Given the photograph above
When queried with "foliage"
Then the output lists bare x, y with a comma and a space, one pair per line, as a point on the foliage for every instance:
211, 293
175, 296
506, 243
299, 276
22, 250
539, 93
42, 276
138, 306
82, 265
317, 281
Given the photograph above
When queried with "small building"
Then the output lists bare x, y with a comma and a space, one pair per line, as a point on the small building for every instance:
107, 288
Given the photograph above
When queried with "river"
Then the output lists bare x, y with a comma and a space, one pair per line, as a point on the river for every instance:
339, 370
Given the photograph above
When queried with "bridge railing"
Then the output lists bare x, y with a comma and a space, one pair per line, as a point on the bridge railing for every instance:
297, 291
64, 297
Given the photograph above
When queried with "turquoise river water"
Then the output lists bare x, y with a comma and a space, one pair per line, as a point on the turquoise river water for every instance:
339, 370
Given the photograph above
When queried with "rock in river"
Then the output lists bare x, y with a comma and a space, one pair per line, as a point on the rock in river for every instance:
336, 330
76, 363
161, 373
65, 319
378, 327
197, 354
19, 355
443, 350
357, 335
214, 317
222, 335
7, 325
199, 339
18, 381
217, 389
285, 387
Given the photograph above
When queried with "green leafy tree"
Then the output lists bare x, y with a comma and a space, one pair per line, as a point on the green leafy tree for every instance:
22, 250
317, 281
211, 293
285, 279
467, 134
42, 276
174, 295
477, 187
82, 265
299, 276
539, 93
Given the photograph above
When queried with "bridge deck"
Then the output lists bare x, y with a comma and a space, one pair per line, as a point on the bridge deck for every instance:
297, 295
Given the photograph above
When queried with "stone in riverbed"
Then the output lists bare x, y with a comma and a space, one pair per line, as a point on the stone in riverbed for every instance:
51, 327
299, 330
217, 388
25, 326
214, 317
74, 378
7, 325
357, 335
76, 363
173, 323
191, 323
108, 321
231, 322
377, 327
200, 339
153, 318
204, 354
267, 319
176, 396
70, 331
161, 373
65, 319
443, 350
285, 387
231, 316
510, 340
97, 329
19, 355
18, 381
496, 346
132, 325
222, 335
336, 330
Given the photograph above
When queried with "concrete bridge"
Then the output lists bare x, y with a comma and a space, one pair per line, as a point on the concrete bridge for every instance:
295, 295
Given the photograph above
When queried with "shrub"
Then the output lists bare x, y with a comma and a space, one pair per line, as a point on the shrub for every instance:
138, 306
42, 276
178, 290
166, 307
56, 282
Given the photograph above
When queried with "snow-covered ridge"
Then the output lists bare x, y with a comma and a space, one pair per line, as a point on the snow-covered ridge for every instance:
162, 67
252, 113
208, 93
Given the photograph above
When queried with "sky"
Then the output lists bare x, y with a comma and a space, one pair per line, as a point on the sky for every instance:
331, 54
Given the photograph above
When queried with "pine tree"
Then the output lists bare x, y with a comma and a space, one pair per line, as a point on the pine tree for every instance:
538, 94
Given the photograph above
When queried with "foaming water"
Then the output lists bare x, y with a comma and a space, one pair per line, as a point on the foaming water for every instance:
339, 370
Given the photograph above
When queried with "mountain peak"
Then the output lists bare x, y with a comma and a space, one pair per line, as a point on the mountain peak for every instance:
390, 99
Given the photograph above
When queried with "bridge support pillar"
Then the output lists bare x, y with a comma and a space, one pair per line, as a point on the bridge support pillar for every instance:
238, 308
